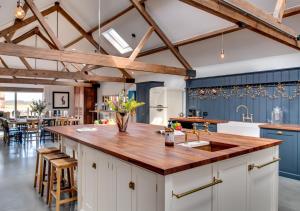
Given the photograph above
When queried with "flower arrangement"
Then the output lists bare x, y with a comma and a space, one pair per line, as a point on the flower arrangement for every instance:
38, 106
123, 107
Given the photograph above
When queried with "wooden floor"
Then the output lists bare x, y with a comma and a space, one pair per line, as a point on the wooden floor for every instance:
17, 164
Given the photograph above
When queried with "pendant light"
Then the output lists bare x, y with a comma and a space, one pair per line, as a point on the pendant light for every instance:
20, 13
222, 55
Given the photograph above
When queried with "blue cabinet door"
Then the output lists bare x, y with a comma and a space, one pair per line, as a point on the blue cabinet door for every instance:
288, 151
211, 127
299, 155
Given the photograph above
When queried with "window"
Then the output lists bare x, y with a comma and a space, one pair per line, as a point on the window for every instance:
7, 103
117, 41
24, 99
18, 102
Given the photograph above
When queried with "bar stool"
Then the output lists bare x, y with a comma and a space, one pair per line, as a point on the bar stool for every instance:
57, 166
46, 162
39, 164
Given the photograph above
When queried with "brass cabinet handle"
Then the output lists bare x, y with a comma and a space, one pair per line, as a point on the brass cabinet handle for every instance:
131, 185
279, 133
252, 166
94, 165
213, 183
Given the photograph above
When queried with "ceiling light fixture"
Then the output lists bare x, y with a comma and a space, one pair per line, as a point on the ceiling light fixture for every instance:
222, 55
20, 13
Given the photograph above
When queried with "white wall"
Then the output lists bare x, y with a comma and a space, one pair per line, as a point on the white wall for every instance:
48, 90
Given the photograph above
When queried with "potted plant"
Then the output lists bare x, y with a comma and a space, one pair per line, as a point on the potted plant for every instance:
38, 107
124, 108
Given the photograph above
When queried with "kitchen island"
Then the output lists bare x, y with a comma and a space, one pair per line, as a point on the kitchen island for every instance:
134, 171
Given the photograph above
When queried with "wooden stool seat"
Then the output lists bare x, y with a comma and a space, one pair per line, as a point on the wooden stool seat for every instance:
64, 163
57, 167
46, 162
48, 150
54, 156
39, 164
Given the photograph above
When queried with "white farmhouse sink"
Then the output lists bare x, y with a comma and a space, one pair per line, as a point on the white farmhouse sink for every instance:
194, 144
240, 128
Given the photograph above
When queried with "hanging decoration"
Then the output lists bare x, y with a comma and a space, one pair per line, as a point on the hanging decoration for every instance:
252, 91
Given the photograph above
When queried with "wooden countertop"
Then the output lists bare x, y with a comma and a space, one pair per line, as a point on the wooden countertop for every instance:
143, 146
290, 127
197, 120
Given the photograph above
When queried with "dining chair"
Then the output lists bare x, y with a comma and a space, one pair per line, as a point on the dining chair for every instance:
46, 135
33, 129
10, 133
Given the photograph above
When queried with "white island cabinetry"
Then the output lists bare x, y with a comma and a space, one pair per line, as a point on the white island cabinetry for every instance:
110, 184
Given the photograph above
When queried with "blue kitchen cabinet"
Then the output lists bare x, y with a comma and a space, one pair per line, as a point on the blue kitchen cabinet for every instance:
289, 150
211, 127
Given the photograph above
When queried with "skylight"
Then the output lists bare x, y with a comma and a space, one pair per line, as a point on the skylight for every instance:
117, 41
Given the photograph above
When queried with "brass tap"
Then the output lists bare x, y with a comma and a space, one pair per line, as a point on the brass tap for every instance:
206, 128
197, 132
193, 132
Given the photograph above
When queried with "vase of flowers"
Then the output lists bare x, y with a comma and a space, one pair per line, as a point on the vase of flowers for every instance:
124, 108
38, 107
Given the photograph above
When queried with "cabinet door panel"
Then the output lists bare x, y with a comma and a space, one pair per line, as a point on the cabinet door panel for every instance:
144, 195
231, 194
288, 150
263, 182
106, 184
123, 193
189, 180
89, 180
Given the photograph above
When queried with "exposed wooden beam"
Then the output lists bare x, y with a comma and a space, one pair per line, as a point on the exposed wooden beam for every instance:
44, 24
288, 12
74, 23
291, 11
142, 43
46, 27
86, 35
3, 63
103, 24
25, 36
23, 60
235, 15
26, 22
279, 10
260, 15
20, 89
43, 82
58, 74
193, 40
45, 39
90, 58
160, 33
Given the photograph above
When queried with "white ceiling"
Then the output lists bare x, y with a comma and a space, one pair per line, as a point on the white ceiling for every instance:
178, 20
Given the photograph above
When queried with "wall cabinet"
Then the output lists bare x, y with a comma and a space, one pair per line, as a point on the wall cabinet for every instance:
110, 184
289, 165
